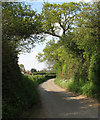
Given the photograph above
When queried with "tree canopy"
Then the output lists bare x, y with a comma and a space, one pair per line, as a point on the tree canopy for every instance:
19, 25
75, 56
22, 68
19, 33
33, 70
76, 53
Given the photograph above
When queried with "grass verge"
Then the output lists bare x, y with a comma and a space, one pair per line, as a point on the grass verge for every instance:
22, 95
88, 89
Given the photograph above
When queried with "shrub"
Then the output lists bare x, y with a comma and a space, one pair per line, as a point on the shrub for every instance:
20, 97
90, 90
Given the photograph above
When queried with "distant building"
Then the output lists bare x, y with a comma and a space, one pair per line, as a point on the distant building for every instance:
30, 72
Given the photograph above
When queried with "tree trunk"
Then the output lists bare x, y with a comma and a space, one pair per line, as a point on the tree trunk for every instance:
62, 69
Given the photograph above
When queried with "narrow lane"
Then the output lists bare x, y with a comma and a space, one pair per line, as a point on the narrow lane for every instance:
60, 103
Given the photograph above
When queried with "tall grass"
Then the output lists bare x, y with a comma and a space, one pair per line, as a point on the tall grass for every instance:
89, 89
22, 96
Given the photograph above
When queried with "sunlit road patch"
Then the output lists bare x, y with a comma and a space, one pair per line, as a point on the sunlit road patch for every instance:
60, 103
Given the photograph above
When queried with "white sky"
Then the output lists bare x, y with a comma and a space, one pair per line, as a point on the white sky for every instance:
29, 60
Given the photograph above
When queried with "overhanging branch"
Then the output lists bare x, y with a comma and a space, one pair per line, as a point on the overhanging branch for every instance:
53, 34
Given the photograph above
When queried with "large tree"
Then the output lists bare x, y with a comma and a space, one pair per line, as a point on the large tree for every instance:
59, 20
19, 29
22, 68
58, 17
19, 25
33, 70
78, 46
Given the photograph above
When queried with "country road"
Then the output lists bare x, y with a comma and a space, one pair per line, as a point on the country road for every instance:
60, 103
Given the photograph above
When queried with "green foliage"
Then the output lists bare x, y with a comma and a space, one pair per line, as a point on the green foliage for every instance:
74, 57
18, 24
61, 14
19, 96
23, 95
61, 83
94, 70
33, 70
76, 54
22, 68
38, 79
89, 89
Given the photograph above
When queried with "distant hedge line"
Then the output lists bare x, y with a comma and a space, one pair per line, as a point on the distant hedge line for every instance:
44, 73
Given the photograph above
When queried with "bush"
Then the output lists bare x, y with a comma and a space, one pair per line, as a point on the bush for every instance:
94, 71
70, 84
20, 97
38, 79
89, 88
22, 94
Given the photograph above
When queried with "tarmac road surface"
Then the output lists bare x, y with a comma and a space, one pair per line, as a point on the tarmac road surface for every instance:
60, 103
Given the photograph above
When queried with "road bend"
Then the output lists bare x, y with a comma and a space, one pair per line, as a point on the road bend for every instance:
61, 103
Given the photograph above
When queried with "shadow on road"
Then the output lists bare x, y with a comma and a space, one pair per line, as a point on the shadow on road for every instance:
66, 105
